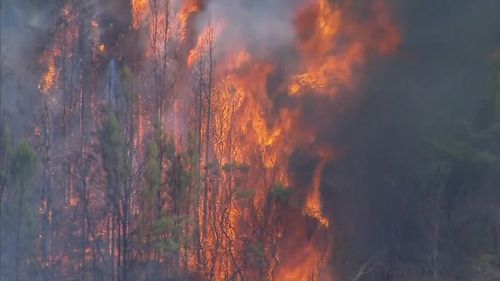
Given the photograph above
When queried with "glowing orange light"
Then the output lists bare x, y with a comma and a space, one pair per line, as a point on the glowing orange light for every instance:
102, 48
139, 9
49, 78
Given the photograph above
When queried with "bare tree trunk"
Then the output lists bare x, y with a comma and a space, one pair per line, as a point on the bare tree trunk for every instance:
186, 229
113, 241
162, 94
46, 198
128, 188
208, 126
64, 94
2, 154
119, 244
438, 181
84, 226
19, 223
436, 234
1, 83
125, 243
197, 233
83, 88
494, 234
2, 190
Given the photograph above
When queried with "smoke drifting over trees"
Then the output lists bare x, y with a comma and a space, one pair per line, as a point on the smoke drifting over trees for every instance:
249, 140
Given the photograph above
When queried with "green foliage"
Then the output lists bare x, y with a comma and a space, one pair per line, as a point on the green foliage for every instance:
22, 213
484, 160
111, 139
228, 167
128, 81
163, 224
186, 179
488, 114
497, 91
470, 154
23, 165
435, 179
168, 246
170, 148
4, 136
244, 194
192, 151
162, 227
242, 167
152, 168
461, 189
280, 193
113, 150
257, 253
4, 154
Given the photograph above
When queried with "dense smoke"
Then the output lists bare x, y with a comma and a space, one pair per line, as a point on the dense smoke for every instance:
439, 80
25, 31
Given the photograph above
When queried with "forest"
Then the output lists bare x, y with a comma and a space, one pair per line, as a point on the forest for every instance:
249, 140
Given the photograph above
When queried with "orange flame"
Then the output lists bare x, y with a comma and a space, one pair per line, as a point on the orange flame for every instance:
188, 10
254, 130
139, 10
314, 203
50, 76
331, 48
65, 37
328, 63
204, 40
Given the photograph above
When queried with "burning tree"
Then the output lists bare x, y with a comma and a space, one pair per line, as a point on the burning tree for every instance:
193, 140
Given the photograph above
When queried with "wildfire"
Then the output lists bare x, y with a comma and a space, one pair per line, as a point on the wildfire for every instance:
102, 48
65, 37
257, 111
204, 40
314, 203
329, 63
189, 9
139, 10
331, 48
50, 76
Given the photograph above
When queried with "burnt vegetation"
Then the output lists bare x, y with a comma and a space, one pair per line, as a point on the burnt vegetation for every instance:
222, 140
